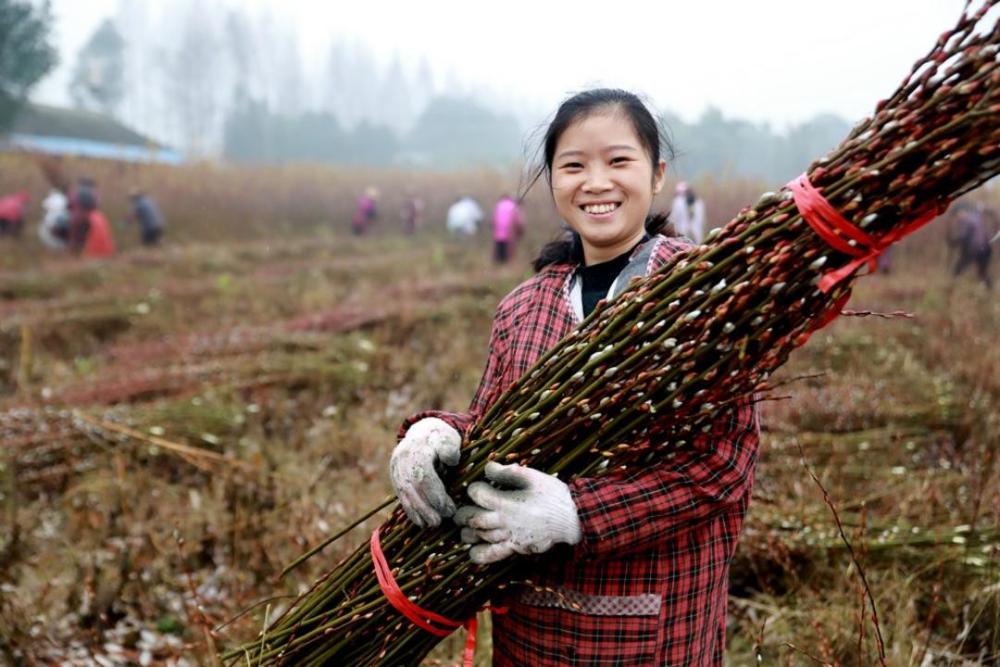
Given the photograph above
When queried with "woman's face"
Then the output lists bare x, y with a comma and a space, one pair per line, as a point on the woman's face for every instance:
603, 184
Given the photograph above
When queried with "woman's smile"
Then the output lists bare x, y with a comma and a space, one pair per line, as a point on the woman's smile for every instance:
601, 210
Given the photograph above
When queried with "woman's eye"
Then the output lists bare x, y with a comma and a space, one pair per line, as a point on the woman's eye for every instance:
619, 160
572, 165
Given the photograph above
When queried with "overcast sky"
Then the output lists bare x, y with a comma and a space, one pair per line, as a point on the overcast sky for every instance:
776, 60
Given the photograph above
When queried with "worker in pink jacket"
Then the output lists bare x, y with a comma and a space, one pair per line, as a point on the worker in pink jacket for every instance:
12, 213
507, 228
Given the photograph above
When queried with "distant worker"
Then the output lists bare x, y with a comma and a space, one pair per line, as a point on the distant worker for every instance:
412, 213
883, 263
365, 213
687, 213
53, 229
147, 215
12, 211
82, 202
508, 227
971, 236
464, 217
99, 241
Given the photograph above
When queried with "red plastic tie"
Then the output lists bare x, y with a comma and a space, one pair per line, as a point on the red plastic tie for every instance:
863, 247
422, 618
419, 616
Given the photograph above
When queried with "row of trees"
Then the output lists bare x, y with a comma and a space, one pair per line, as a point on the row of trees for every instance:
222, 82
197, 74
457, 131
450, 132
727, 146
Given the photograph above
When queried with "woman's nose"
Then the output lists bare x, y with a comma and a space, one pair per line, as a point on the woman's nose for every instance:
597, 180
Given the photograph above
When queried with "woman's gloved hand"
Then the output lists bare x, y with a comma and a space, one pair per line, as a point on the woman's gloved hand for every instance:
418, 487
531, 513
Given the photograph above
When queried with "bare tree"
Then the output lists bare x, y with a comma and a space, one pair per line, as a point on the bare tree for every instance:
351, 87
396, 109
98, 81
333, 91
423, 86
243, 62
195, 78
291, 94
142, 104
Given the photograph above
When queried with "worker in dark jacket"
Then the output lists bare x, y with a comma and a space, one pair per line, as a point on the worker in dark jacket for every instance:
971, 236
147, 215
82, 202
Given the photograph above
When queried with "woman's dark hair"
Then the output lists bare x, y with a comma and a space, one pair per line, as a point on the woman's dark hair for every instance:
569, 248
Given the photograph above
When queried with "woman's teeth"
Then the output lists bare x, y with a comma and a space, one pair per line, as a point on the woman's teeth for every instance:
598, 209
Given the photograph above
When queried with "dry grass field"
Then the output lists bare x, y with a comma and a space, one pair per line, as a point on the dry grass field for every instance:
177, 424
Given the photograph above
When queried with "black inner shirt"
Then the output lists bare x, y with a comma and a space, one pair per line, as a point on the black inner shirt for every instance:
596, 279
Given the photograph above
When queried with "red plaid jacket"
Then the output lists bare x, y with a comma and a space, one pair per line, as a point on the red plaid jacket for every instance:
648, 583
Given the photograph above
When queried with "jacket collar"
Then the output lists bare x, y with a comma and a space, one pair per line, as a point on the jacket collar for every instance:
567, 277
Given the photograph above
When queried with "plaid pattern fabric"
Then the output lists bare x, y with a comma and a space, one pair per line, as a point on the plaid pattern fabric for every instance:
669, 530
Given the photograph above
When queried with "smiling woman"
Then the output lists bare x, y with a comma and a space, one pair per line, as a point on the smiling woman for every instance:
635, 567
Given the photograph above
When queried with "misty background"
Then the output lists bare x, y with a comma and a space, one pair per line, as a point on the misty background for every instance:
260, 83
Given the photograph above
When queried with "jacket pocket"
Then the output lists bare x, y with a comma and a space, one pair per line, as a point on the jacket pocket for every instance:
559, 626
560, 597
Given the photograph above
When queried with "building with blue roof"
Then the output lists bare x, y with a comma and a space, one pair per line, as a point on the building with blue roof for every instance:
57, 131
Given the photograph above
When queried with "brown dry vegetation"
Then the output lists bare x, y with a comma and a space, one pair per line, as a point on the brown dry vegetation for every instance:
179, 424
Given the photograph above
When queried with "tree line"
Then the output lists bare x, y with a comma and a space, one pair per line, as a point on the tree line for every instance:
224, 82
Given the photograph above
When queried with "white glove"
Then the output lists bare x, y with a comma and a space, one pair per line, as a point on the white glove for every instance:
535, 514
418, 487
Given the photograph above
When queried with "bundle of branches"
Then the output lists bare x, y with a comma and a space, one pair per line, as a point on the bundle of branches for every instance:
649, 371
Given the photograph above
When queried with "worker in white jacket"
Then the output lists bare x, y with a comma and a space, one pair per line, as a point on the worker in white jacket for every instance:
53, 228
687, 213
464, 217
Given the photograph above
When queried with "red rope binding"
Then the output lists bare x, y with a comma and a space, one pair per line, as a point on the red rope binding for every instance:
417, 615
827, 222
427, 620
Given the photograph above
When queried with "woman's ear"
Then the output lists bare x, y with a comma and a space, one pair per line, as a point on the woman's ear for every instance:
659, 176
